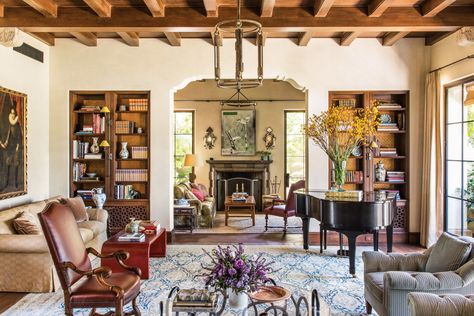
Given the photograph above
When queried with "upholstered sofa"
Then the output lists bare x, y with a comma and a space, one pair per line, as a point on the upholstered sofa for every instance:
25, 262
206, 209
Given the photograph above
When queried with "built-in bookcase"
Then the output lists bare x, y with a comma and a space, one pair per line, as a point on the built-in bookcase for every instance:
393, 147
115, 117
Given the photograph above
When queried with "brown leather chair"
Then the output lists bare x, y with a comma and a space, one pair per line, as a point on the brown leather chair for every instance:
83, 286
284, 208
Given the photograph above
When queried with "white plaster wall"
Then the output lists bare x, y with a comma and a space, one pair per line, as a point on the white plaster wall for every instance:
321, 66
23, 74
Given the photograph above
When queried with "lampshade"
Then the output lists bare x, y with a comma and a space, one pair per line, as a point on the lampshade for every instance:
104, 109
190, 160
104, 143
374, 144
469, 100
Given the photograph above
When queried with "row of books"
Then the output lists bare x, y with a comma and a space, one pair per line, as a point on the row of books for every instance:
78, 171
395, 176
85, 194
345, 102
352, 176
139, 152
131, 175
124, 127
79, 149
123, 192
138, 104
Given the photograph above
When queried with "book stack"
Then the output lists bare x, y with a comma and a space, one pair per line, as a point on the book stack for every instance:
131, 175
387, 106
396, 176
194, 300
98, 124
151, 226
93, 156
90, 108
78, 171
135, 237
387, 152
124, 127
139, 152
393, 194
85, 194
346, 102
140, 105
353, 194
122, 192
388, 127
79, 149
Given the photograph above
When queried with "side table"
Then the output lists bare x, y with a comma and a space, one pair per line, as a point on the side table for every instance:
186, 214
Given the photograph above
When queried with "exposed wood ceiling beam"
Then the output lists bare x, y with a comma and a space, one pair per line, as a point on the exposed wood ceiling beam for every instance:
101, 7
45, 7
348, 38
211, 8
218, 39
156, 7
304, 38
436, 37
85, 38
173, 38
284, 20
2, 10
322, 7
392, 38
378, 7
430, 8
131, 38
266, 8
46, 38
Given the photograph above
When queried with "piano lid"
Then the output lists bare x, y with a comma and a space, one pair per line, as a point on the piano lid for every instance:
366, 197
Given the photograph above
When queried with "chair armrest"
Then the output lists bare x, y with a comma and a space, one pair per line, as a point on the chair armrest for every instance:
428, 304
466, 271
422, 281
98, 214
278, 201
375, 261
16, 243
196, 203
120, 256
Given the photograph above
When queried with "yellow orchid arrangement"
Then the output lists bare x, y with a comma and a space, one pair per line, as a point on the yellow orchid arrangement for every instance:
339, 130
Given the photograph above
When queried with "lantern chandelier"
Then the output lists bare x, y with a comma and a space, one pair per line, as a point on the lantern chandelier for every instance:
239, 28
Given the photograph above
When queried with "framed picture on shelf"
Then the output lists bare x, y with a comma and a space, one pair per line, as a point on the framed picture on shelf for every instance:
238, 133
13, 171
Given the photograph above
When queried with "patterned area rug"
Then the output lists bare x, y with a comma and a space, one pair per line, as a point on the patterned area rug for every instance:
300, 271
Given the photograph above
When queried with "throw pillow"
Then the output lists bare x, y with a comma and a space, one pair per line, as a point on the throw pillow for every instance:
203, 189
448, 254
27, 223
77, 207
190, 196
198, 194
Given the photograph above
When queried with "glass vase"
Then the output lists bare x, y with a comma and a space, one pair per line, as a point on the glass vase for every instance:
339, 171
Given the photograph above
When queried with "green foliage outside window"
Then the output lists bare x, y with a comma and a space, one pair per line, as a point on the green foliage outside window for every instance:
183, 143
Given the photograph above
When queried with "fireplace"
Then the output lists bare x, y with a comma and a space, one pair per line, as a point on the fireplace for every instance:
227, 176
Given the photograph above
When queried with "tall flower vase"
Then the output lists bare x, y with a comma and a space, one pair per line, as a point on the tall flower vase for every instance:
339, 171
237, 300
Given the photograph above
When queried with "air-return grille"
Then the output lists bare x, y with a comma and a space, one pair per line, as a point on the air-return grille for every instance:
30, 51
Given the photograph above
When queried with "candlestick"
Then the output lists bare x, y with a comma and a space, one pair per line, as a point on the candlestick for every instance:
236, 187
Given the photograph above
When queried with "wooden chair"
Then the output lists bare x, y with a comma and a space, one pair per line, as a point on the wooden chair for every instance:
83, 286
284, 208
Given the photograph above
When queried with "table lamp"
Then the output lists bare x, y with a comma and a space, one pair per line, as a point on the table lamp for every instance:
190, 161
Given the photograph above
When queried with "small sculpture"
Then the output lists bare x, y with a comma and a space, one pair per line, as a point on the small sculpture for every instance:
269, 138
209, 138
95, 145
380, 172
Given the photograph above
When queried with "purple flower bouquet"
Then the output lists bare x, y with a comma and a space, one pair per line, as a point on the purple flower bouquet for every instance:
232, 268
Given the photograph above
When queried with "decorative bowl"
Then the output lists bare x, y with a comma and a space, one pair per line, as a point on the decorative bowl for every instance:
270, 294
91, 174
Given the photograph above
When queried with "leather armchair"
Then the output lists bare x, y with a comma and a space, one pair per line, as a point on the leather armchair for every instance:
83, 286
427, 304
284, 208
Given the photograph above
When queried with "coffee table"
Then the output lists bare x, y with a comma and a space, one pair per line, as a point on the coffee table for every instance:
240, 208
140, 252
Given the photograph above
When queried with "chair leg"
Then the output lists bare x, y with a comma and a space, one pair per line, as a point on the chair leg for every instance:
368, 307
266, 222
136, 310
286, 224
68, 310
119, 307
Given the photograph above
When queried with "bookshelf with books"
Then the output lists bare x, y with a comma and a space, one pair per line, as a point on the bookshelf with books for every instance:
392, 138
125, 179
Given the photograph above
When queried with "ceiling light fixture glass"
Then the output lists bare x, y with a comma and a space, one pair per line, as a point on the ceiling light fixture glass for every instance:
240, 28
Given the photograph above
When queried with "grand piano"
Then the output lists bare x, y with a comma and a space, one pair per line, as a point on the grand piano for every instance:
349, 216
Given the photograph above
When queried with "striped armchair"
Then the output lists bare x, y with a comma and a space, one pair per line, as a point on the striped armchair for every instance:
388, 279
427, 304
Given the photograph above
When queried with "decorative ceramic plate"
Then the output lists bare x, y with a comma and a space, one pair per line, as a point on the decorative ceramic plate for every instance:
270, 294
385, 119
357, 151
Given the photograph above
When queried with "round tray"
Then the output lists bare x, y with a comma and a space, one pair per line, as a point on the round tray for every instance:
270, 294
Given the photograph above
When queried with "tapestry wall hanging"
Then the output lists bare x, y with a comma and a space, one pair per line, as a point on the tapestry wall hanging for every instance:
238, 133
13, 178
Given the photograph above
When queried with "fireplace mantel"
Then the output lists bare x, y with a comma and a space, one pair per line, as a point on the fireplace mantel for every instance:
239, 165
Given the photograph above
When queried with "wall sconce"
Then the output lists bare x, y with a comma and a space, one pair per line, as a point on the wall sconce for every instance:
209, 138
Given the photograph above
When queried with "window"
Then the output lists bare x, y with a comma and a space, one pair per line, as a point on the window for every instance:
183, 143
295, 167
459, 165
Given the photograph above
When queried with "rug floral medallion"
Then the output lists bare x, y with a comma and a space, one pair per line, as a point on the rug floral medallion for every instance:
298, 270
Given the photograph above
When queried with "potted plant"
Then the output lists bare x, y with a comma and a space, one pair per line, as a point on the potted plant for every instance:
236, 273
265, 155
338, 131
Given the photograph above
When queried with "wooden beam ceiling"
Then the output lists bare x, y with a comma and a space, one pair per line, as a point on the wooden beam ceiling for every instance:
86, 38
348, 38
101, 7
436, 37
322, 7
211, 8
430, 8
392, 38
47, 8
173, 38
131, 38
266, 8
304, 38
156, 7
46, 38
378, 7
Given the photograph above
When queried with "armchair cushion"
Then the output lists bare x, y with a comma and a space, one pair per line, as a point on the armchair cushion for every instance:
98, 214
279, 210
428, 304
27, 224
95, 226
422, 281
375, 261
448, 254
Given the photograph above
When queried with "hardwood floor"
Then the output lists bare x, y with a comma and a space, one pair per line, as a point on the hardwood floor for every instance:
9, 299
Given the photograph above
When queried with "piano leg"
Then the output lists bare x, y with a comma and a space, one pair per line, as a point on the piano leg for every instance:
351, 237
325, 239
376, 240
305, 232
389, 230
321, 238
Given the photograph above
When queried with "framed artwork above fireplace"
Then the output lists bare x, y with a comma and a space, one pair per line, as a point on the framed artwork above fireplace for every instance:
238, 133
